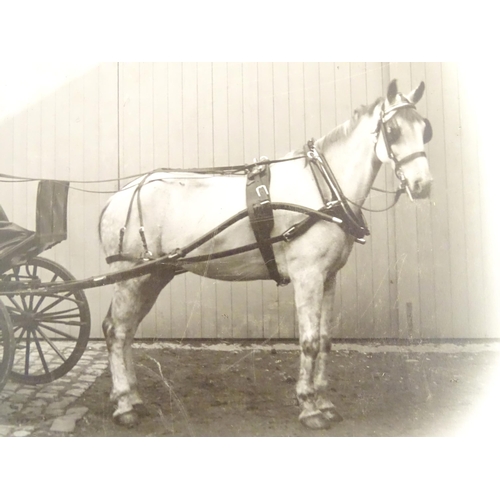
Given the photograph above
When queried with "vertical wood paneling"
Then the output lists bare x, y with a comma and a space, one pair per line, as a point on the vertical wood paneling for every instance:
236, 156
454, 174
473, 213
282, 145
206, 159
429, 255
87, 232
328, 121
362, 254
162, 309
407, 241
378, 244
346, 282
426, 303
266, 148
175, 160
221, 157
145, 99
441, 209
106, 168
190, 160
255, 317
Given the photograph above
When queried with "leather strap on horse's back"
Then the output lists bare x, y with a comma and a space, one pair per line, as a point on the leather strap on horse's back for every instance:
261, 217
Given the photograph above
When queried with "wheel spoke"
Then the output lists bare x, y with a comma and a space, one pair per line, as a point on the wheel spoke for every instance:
20, 336
59, 298
54, 347
40, 353
27, 354
14, 302
59, 332
72, 312
17, 328
39, 302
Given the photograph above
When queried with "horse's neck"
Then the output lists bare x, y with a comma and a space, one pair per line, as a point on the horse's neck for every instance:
352, 160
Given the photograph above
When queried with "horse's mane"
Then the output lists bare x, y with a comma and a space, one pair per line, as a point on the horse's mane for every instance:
343, 130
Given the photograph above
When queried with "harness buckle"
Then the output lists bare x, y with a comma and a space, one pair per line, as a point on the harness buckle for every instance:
289, 234
176, 254
331, 204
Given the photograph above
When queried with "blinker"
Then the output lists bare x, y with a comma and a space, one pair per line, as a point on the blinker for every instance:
427, 131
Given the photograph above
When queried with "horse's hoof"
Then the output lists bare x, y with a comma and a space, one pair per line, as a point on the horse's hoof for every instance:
316, 420
141, 410
332, 415
128, 419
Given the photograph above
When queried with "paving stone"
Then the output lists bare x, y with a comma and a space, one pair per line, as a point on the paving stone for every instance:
48, 396
5, 430
63, 424
27, 392
18, 398
76, 392
87, 378
77, 412
54, 412
6, 411
82, 385
37, 403
60, 404
21, 433
33, 411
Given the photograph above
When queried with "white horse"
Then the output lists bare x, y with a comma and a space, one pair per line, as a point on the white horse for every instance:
174, 208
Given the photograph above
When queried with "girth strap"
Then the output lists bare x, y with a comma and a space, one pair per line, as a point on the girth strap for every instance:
261, 217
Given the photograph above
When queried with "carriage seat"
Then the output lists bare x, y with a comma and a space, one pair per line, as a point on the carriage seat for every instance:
18, 244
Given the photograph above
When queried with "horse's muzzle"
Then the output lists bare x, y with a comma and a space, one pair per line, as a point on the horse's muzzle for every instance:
420, 189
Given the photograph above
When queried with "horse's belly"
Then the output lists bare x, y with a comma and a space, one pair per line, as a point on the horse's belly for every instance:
243, 267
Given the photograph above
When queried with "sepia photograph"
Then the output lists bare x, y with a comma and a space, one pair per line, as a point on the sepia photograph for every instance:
250, 247
244, 249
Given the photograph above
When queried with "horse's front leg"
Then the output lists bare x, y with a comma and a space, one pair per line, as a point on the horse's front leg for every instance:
308, 300
323, 402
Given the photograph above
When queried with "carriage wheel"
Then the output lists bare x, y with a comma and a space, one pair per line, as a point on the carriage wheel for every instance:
51, 330
6, 345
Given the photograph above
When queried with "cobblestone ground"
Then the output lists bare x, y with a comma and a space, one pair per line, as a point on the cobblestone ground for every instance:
26, 409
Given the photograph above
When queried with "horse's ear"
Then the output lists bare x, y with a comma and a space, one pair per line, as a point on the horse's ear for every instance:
417, 94
392, 91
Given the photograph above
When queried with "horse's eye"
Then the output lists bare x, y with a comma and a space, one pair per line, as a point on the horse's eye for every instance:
393, 134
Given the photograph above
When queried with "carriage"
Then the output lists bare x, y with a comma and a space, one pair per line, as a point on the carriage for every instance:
300, 229
44, 332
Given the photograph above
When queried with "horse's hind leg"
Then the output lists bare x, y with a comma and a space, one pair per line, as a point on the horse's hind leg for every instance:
323, 402
132, 300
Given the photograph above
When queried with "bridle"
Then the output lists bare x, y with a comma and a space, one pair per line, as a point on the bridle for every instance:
385, 116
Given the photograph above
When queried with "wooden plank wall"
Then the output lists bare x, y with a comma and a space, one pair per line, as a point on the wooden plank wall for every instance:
421, 274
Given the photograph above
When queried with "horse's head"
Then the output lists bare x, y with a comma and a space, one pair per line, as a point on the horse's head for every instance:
401, 135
